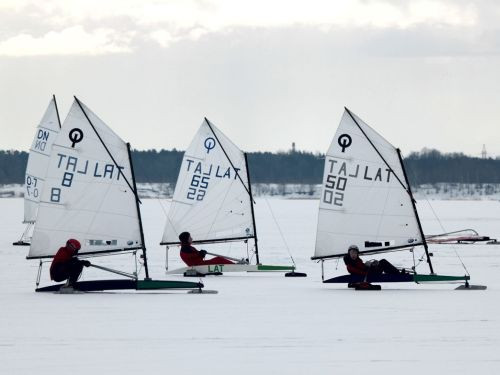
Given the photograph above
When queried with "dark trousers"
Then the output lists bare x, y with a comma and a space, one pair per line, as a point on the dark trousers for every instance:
383, 266
70, 270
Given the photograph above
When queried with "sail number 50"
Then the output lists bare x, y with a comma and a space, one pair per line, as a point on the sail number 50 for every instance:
333, 192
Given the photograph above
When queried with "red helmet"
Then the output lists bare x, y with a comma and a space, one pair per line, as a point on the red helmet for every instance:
73, 244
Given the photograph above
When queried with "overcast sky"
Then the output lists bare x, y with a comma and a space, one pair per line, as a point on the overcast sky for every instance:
267, 73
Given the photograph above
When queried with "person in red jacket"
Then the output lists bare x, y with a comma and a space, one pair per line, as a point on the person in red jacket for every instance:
355, 266
66, 265
193, 257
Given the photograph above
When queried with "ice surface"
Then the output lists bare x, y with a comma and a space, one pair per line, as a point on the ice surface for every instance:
259, 323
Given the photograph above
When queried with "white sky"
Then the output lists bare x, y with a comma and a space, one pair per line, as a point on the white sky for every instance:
267, 73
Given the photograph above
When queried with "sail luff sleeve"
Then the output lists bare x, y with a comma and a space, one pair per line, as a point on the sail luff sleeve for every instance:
429, 262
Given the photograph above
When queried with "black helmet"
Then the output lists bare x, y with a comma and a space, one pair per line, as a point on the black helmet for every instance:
184, 237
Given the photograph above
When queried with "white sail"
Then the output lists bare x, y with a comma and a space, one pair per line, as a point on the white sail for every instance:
364, 200
211, 200
46, 133
87, 195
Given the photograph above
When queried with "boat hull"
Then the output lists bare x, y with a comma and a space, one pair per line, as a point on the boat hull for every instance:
123, 284
401, 278
220, 268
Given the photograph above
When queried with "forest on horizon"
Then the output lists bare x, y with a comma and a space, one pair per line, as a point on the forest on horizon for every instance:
294, 167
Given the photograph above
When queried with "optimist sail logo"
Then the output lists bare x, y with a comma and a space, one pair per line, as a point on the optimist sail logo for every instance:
344, 141
75, 136
209, 144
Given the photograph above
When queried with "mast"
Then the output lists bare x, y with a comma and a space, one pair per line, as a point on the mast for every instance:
138, 212
133, 189
251, 206
57, 111
415, 211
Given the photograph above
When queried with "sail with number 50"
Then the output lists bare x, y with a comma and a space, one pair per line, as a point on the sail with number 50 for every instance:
365, 198
211, 198
87, 192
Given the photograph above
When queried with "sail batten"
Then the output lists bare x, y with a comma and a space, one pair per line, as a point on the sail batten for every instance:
87, 194
364, 200
211, 197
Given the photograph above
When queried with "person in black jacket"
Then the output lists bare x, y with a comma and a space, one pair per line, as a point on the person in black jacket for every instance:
355, 266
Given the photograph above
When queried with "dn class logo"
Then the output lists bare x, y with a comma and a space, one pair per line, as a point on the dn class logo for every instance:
75, 136
344, 141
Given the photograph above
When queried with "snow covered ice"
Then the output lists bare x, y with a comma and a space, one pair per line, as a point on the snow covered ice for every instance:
259, 323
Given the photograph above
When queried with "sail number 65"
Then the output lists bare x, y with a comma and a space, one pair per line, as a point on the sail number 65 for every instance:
198, 187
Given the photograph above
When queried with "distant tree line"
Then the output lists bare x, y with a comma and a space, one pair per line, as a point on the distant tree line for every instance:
298, 167
12, 166
432, 166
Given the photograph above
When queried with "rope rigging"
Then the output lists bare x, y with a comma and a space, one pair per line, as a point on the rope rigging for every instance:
280, 232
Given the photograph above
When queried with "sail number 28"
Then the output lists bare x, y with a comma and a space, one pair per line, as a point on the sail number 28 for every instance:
334, 190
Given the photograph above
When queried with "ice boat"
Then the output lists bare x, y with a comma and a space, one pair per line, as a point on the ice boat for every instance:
213, 201
366, 200
90, 194
462, 237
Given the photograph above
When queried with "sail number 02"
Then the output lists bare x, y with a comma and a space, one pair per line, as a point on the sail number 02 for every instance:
334, 188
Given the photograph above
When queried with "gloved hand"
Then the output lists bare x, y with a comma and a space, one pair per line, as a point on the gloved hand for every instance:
86, 263
203, 253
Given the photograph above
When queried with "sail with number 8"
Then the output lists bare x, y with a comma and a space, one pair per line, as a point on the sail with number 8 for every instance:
90, 195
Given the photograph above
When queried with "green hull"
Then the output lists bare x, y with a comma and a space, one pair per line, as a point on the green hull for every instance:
166, 284
264, 267
439, 278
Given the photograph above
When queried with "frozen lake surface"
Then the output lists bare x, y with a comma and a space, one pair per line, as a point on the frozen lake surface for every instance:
260, 323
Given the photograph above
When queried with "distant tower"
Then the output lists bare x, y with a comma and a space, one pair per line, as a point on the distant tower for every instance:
293, 146
484, 154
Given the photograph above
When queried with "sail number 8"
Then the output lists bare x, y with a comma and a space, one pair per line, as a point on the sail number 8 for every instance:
198, 187
333, 192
